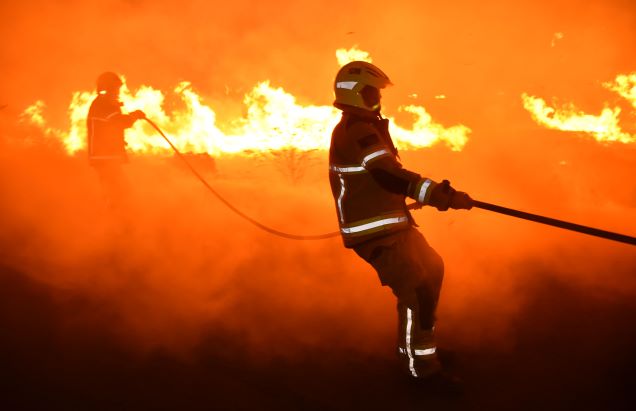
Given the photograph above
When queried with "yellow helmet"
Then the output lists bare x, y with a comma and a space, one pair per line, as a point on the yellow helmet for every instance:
352, 78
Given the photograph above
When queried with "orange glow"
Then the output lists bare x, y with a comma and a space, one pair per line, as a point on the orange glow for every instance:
604, 127
241, 79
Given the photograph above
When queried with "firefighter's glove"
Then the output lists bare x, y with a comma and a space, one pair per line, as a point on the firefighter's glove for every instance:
442, 195
461, 200
138, 115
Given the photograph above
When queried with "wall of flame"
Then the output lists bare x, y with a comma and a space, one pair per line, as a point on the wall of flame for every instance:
273, 120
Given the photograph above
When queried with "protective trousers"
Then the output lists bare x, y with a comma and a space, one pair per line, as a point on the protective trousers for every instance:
414, 271
114, 184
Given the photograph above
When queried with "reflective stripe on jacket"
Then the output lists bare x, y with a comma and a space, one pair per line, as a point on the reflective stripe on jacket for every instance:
368, 183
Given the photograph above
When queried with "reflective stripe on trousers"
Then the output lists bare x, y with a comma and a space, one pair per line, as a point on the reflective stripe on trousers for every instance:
409, 334
416, 346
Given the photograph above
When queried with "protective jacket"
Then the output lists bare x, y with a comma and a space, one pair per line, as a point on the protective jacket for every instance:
106, 124
368, 183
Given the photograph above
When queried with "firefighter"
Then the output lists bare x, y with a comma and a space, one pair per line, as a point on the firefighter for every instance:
106, 145
369, 186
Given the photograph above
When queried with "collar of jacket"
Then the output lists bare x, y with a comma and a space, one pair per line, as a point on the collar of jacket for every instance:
352, 114
359, 112
110, 99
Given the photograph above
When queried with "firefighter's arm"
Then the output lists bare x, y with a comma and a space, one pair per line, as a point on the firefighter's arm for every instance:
443, 197
392, 177
125, 120
378, 159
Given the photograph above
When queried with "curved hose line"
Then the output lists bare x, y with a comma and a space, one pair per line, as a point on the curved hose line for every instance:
232, 207
479, 204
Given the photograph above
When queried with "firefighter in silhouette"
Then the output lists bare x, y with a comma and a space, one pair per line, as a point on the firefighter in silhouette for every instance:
106, 145
369, 186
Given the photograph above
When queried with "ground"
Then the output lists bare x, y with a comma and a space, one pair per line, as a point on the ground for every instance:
573, 352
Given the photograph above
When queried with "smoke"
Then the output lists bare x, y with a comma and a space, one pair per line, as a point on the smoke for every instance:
177, 260
178, 269
178, 265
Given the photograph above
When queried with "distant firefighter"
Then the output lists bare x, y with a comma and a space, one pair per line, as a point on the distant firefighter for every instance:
369, 186
106, 145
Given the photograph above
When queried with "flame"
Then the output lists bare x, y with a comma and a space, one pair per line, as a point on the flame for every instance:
625, 86
34, 114
345, 56
428, 131
604, 127
556, 38
274, 120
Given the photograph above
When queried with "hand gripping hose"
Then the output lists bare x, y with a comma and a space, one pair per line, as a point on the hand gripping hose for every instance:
479, 204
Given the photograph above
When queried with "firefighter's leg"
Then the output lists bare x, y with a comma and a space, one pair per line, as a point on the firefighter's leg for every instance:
418, 294
114, 186
413, 270
417, 349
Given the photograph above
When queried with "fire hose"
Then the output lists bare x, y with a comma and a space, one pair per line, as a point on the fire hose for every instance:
231, 206
478, 204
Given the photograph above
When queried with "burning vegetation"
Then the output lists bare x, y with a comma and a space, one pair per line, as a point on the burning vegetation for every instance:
177, 286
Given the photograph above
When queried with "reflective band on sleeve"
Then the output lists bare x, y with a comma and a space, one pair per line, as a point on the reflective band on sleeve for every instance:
373, 155
347, 169
409, 326
349, 85
371, 225
359, 168
421, 196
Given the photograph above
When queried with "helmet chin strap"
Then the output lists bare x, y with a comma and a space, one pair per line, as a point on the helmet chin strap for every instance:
375, 108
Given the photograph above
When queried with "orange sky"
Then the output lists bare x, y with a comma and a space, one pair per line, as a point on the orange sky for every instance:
482, 55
